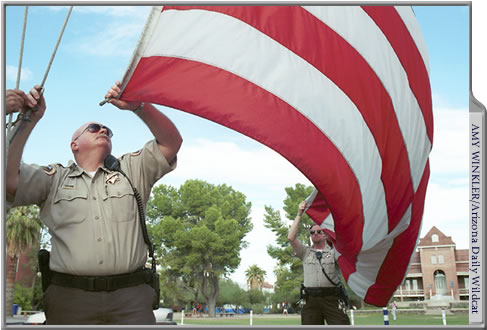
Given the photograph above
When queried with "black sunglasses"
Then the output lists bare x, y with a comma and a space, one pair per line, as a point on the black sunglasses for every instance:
94, 128
319, 231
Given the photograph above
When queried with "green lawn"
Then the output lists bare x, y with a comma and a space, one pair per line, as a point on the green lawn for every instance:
360, 319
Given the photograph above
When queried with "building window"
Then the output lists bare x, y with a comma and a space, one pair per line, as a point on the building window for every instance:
408, 285
415, 284
465, 280
440, 282
441, 260
434, 238
433, 260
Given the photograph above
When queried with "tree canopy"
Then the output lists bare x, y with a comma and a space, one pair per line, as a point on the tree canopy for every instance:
255, 276
199, 230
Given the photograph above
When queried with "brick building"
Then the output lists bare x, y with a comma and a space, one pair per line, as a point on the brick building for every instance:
437, 270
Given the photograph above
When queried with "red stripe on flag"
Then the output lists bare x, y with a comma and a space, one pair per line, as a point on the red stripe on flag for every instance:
319, 209
227, 99
328, 52
396, 263
396, 32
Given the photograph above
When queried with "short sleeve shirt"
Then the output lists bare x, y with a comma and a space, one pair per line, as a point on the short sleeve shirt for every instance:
313, 274
93, 221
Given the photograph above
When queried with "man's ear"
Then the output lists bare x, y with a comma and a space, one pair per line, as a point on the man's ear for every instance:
74, 146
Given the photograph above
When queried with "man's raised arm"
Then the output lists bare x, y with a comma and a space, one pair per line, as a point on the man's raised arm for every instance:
16, 148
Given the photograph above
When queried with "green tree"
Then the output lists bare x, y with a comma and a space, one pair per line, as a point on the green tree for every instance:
199, 230
256, 296
255, 277
22, 232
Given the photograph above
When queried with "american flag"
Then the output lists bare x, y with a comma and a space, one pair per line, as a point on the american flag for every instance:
342, 92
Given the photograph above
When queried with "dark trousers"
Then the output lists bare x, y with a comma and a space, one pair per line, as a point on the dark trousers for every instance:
72, 306
317, 310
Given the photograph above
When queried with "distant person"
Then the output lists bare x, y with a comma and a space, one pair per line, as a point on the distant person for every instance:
393, 310
198, 309
284, 308
97, 247
323, 296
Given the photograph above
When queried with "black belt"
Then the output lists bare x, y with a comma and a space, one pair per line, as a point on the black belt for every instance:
318, 292
102, 283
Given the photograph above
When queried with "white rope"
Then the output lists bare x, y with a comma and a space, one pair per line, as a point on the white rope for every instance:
26, 117
19, 68
57, 44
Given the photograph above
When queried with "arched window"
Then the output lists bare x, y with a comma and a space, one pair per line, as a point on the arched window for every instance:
434, 238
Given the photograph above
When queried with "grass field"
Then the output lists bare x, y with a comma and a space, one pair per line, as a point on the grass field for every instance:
360, 319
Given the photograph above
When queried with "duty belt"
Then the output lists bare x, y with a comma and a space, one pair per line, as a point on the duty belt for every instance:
322, 291
102, 283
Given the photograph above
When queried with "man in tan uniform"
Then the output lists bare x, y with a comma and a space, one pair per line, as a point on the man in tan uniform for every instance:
98, 250
323, 301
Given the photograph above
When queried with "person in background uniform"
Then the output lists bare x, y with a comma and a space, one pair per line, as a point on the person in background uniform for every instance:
321, 277
97, 248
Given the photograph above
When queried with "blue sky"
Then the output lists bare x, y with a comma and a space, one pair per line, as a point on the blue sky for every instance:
96, 49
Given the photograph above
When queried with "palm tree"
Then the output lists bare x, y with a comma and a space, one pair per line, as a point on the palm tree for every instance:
22, 231
255, 277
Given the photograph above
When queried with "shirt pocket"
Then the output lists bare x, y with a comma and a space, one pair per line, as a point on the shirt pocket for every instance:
119, 202
70, 206
328, 262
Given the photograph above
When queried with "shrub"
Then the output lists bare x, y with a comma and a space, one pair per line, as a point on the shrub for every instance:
23, 297
258, 308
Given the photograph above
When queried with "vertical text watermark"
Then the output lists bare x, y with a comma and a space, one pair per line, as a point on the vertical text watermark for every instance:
475, 223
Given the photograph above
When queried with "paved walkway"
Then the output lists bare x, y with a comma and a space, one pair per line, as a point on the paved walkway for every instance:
177, 316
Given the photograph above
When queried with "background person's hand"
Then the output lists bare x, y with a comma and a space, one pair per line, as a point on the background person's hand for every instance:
15, 101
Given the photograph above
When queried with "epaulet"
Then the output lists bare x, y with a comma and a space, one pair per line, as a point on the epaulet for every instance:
51, 169
136, 153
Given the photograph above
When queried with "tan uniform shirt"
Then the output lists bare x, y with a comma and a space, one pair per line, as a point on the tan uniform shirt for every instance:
94, 222
313, 275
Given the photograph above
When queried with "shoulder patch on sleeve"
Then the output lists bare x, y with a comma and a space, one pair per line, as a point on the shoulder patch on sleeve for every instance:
136, 153
49, 170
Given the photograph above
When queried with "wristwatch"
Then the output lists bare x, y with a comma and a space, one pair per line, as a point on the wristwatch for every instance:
139, 108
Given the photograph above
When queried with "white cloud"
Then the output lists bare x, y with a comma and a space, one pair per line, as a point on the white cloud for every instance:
116, 35
217, 162
450, 143
113, 40
256, 252
447, 209
11, 73
446, 204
